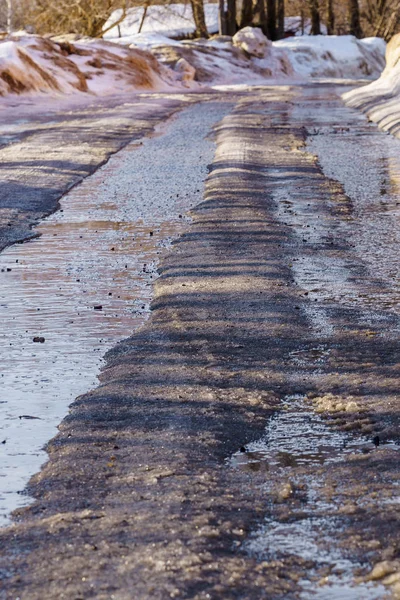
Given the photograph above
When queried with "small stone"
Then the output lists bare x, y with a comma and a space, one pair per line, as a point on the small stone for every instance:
382, 569
285, 492
98, 307
39, 339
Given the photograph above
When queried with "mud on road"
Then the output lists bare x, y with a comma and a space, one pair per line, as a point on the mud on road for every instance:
167, 480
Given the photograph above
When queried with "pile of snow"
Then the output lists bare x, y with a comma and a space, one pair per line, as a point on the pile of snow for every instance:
215, 61
152, 61
341, 57
170, 20
247, 58
381, 99
30, 63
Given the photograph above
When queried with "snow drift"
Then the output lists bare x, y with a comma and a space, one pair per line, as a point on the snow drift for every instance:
30, 63
223, 60
343, 57
381, 99
249, 57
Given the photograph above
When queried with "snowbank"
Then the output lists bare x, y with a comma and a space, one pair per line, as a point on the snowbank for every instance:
380, 100
30, 63
224, 60
301, 57
333, 56
152, 61
171, 20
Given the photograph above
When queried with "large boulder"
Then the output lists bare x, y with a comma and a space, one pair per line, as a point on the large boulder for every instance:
252, 41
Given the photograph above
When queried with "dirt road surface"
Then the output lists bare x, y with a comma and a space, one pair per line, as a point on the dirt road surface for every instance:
243, 444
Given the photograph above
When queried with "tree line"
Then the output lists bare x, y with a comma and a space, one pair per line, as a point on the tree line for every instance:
87, 17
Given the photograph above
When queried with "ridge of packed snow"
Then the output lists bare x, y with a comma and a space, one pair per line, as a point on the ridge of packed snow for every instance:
380, 100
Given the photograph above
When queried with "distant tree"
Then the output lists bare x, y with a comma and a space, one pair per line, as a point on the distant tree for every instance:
330, 18
231, 26
84, 17
313, 7
281, 19
221, 17
381, 17
199, 18
246, 16
9, 15
271, 20
354, 19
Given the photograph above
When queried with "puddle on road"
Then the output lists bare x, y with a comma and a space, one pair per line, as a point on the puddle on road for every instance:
87, 282
297, 437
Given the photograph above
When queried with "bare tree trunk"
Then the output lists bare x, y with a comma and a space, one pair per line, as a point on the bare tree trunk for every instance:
262, 16
246, 17
9, 15
392, 24
221, 18
271, 19
354, 19
281, 19
302, 19
313, 7
199, 18
146, 6
330, 18
231, 18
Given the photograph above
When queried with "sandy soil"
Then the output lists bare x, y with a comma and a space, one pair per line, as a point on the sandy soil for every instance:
140, 498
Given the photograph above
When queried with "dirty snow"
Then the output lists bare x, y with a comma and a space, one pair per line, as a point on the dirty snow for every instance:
32, 64
152, 61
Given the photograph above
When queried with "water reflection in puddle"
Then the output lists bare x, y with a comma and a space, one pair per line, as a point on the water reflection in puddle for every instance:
297, 438
86, 283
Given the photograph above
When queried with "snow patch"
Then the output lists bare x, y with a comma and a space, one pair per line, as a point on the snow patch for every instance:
343, 57
380, 100
171, 20
32, 64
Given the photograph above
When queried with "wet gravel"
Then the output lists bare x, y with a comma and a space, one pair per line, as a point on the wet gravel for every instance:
140, 491
87, 281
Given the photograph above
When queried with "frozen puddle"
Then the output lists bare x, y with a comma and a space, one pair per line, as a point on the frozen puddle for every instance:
298, 437
87, 282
